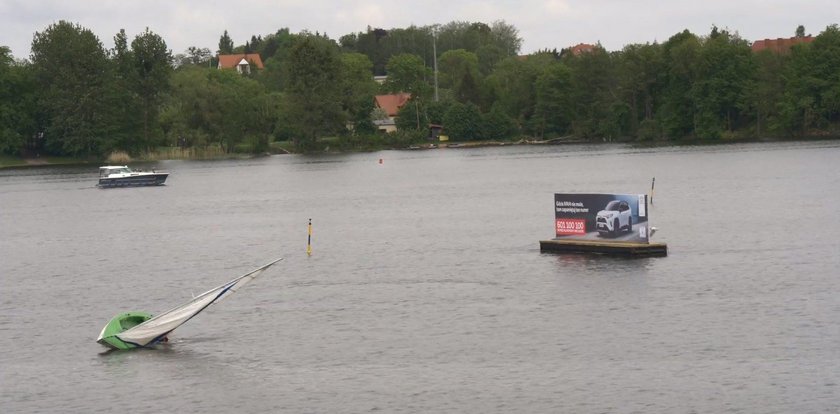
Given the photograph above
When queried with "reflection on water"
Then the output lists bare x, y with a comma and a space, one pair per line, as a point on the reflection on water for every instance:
601, 263
426, 290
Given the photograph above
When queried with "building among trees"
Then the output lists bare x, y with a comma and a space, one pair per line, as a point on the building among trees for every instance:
780, 45
390, 105
242, 62
581, 48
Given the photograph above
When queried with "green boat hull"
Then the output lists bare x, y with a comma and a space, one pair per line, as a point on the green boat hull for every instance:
119, 324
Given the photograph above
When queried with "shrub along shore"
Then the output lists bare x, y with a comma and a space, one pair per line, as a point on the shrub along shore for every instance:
216, 153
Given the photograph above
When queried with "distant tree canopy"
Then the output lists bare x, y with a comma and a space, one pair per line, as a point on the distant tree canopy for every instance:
491, 43
18, 109
225, 44
313, 81
74, 97
74, 77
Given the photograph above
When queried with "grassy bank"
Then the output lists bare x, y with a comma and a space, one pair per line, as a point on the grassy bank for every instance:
337, 145
120, 157
7, 161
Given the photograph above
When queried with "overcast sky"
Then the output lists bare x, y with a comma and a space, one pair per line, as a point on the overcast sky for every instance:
542, 24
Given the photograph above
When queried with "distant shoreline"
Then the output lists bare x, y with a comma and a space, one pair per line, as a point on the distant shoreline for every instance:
7, 162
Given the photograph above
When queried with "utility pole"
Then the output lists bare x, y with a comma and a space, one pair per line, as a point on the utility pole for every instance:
434, 51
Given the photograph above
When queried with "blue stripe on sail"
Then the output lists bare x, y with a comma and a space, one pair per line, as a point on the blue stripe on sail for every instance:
129, 342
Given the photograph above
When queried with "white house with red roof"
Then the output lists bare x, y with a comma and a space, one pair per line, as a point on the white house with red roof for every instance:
241, 62
390, 104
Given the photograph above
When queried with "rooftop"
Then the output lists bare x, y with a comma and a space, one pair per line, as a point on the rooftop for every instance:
780, 45
232, 61
391, 104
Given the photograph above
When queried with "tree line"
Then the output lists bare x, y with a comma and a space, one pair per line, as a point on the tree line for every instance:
74, 97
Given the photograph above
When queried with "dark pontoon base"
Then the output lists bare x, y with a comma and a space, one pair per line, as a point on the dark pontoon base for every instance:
616, 249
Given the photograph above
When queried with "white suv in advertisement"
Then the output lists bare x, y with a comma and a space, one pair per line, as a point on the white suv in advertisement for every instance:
615, 217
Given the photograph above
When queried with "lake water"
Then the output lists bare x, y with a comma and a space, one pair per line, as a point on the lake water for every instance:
426, 290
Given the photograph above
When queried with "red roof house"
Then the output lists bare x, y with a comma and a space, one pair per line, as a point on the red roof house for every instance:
779, 45
581, 48
241, 62
391, 105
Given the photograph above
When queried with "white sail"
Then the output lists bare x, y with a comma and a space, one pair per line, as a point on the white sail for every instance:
158, 327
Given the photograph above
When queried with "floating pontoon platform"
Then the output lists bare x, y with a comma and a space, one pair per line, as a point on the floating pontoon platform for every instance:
615, 249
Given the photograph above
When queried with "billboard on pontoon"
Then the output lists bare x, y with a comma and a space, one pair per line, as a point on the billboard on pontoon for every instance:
611, 218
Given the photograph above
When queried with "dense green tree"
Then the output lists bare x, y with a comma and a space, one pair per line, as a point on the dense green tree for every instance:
362, 117
764, 93
248, 113
464, 122
554, 105
152, 69
463, 35
73, 74
680, 55
191, 115
312, 100
417, 116
373, 43
458, 71
407, 73
122, 57
594, 97
275, 52
17, 104
199, 56
723, 70
477, 35
490, 43
488, 56
812, 97
122, 101
511, 86
275, 45
497, 125
412, 116
824, 57
208, 106
641, 76
435, 111
225, 44
506, 37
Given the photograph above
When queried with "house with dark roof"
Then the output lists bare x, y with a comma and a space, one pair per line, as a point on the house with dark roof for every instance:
390, 105
780, 45
241, 62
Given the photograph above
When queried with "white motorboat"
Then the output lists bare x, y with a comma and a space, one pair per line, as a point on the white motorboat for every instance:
123, 176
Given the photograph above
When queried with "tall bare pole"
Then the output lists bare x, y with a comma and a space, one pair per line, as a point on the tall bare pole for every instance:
434, 52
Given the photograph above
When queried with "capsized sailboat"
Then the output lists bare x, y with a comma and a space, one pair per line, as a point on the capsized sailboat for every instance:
139, 329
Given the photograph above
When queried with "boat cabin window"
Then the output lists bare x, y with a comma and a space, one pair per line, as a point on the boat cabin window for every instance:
104, 172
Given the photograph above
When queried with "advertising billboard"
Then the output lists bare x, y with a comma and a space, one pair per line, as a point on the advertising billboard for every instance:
611, 218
